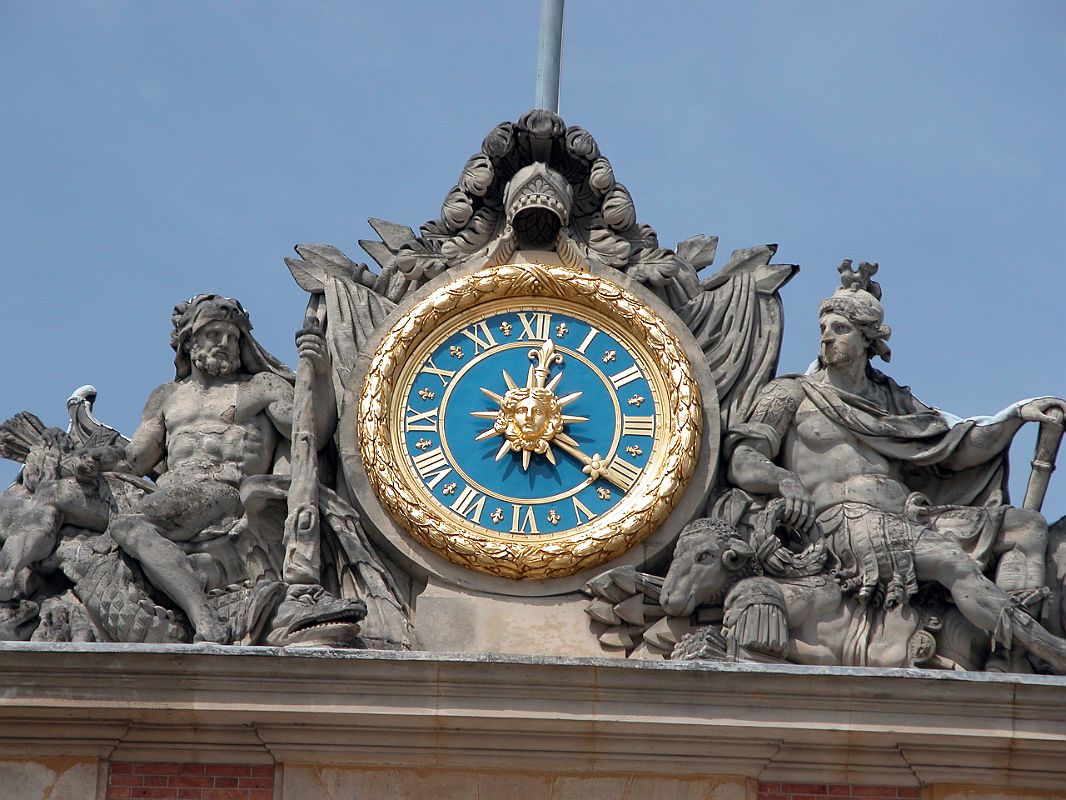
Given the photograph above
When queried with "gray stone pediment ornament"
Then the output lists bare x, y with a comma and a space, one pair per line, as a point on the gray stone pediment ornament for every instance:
530, 409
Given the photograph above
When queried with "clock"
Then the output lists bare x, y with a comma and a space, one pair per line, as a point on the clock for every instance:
529, 421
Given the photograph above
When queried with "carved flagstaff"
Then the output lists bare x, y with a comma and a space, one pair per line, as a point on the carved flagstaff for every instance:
1047, 450
302, 539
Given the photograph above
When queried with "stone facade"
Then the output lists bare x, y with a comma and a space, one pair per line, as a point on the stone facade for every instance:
363, 724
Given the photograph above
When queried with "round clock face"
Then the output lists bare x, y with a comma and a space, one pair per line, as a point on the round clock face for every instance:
528, 419
528, 435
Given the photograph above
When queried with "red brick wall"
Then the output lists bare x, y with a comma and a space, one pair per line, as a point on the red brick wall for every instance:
823, 791
136, 779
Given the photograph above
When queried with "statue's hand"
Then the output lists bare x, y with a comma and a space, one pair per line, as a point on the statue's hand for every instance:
311, 344
1043, 410
799, 505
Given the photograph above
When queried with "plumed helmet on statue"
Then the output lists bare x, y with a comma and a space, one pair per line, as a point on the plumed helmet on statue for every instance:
859, 300
191, 315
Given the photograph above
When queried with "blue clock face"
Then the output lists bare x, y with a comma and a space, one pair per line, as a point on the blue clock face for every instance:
529, 421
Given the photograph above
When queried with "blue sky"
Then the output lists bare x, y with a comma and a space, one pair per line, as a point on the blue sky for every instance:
155, 150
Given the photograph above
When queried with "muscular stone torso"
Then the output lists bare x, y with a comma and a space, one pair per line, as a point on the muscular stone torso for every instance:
202, 440
835, 466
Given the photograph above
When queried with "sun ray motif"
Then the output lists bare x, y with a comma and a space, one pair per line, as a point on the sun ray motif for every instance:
569, 398
562, 437
530, 417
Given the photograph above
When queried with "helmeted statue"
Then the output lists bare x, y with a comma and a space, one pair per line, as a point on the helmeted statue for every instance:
904, 494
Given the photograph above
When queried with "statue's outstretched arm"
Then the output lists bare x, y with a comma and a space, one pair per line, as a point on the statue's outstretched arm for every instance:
990, 437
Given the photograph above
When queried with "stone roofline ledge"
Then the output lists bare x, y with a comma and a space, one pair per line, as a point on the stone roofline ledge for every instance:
205, 703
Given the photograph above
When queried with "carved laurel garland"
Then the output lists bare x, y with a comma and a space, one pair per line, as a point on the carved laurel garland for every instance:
646, 505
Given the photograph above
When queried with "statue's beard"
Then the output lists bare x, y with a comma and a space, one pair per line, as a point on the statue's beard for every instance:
834, 357
215, 362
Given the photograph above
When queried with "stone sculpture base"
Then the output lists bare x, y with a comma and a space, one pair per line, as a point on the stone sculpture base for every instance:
124, 721
452, 618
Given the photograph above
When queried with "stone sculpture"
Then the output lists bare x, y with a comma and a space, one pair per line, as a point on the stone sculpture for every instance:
199, 533
832, 518
902, 495
771, 614
843, 474
537, 184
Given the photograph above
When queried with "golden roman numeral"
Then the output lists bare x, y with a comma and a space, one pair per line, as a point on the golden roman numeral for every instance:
468, 502
626, 376
445, 375
581, 509
536, 328
626, 473
523, 523
637, 426
472, 333
587, 340
422, 420
432, 466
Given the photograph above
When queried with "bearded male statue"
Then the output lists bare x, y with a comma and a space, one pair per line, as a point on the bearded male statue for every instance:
904, 494
226, 416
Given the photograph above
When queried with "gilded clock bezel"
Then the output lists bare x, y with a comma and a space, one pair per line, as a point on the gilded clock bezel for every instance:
410, 371
648, 503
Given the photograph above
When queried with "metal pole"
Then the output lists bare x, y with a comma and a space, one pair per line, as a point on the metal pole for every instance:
549, 54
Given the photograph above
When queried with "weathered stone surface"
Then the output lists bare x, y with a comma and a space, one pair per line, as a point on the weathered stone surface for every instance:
201, 534
335, 783
458, 620
50, 779
568, 717
862, 527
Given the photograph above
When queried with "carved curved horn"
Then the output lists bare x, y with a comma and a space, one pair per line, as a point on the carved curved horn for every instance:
737, 553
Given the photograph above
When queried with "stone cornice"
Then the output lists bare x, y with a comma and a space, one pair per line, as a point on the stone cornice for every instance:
206, 703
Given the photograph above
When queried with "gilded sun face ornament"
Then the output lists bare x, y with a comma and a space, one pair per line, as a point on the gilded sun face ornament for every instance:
531, 416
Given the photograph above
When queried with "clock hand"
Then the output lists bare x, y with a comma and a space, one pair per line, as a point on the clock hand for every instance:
595, 466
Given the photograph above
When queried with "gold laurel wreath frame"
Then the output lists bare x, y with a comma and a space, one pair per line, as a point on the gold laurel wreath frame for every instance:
645, 506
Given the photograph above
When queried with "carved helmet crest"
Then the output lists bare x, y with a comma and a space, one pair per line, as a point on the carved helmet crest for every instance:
859, 300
